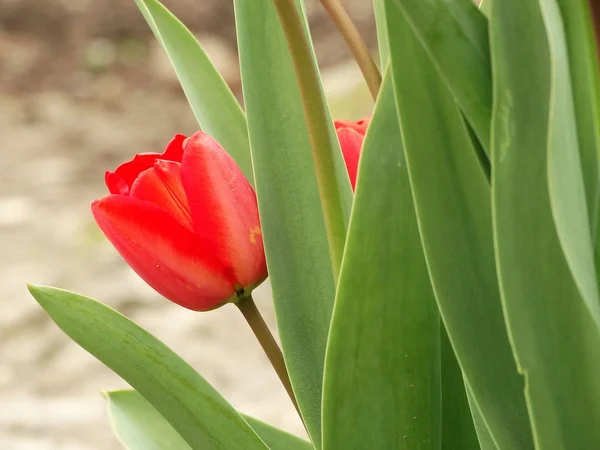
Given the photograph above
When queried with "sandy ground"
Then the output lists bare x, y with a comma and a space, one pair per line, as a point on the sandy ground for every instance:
56, 141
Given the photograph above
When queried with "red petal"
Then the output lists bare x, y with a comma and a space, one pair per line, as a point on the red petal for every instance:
224, 209
129, 170
359, 126
350, 143
115, 184
164, 253
161, 185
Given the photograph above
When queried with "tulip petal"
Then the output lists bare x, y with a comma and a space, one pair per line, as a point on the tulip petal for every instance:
224, 208
161, 185
350, 143
163, 252
128, 171
360, 126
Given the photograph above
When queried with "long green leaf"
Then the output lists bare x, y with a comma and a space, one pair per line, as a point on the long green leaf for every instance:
552, 331
200, 415
455, 35
565, 177
288, 198
452, 198
139, 426
212, 102
458, 428
583, 61
382, 379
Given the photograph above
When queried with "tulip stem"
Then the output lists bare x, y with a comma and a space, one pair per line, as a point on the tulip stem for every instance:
323, 145
250, 312
357, 45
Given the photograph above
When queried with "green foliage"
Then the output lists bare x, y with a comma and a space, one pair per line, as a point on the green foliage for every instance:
452, 200
553, 327
466, 314
385, 308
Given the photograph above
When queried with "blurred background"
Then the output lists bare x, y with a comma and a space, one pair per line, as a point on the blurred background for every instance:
84, 86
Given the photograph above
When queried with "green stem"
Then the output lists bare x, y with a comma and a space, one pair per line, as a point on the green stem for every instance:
260, 329
318, 132
359, 49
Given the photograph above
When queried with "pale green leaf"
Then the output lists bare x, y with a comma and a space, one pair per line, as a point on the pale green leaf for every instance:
277, 439
199, 414
583, 62
565, 177
139, 426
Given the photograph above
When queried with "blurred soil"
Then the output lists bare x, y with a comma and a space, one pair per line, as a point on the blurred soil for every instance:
83, 86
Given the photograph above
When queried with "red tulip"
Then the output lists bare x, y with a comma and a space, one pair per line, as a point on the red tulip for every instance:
187, 222
351, 136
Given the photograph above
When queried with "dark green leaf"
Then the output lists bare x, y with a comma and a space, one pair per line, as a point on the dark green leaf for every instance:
458, 429
382, 379
455, 35
553, 333
452, 199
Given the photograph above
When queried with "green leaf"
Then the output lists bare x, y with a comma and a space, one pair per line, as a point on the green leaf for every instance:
458, 429
382, 33
277, 439
139, 426
486, 8
554, 336
583, 61
567, 193
452, 199
200, 415
288, 198
455, 35
212, 102
382, 379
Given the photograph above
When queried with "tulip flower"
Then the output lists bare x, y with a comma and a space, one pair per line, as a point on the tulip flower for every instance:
187, 222
351, 135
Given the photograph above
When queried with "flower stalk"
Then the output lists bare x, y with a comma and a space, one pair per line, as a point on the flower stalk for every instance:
316, 117
260, 329
357, 45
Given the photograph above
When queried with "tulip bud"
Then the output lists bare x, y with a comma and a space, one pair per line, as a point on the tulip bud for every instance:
187, 222
351, 136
